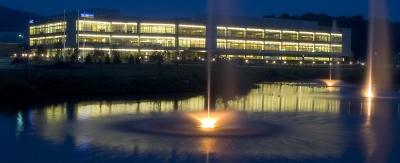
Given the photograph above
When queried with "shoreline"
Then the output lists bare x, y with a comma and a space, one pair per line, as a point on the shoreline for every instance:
146, 79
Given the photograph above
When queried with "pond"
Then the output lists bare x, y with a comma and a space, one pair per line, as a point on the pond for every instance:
294, 123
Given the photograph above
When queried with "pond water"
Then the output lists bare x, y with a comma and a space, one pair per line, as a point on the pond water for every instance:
299, 123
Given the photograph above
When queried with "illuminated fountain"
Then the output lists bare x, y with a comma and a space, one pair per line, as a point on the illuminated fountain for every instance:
378, 73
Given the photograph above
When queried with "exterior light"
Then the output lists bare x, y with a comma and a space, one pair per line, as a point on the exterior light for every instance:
177, 58
324, 62
266, 61
351, 63
247, 61
362, 64
301, 62
313, 62
338, 62
213, 59
284, 62
330, 63
273, 62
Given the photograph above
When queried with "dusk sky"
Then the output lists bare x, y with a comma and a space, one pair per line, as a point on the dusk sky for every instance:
189, 8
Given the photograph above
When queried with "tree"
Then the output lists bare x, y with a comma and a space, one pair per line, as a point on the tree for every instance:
88, 59
98, 54
117, 57
156, 58
131, 59
58, 46
40, 50
74, 54
107, 59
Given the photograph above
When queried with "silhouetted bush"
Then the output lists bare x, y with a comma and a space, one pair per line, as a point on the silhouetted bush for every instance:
117, 59
88, 59
131, 59
107, 60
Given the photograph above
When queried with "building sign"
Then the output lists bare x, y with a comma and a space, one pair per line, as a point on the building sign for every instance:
87, 15
30, 21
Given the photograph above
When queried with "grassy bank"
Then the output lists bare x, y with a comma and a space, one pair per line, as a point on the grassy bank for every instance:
122, 79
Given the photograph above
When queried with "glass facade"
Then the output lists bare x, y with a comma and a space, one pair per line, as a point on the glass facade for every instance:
157, 28
235, 32
94, 39
279, 40
235, 44
194, 30
142, 36
254, 45
51, 40
157, 41
48, 28
192, 42
125, 40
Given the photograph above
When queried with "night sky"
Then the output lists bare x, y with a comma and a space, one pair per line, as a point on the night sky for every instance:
189, 8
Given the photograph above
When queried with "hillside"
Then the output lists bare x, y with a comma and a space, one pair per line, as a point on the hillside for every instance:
15, 20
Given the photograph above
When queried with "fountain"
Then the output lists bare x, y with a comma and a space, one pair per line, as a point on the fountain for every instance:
378, 72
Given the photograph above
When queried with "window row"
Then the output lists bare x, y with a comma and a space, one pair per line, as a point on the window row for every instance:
143, 41
119, 27
278, 46
45, 40
278, 34
56, 27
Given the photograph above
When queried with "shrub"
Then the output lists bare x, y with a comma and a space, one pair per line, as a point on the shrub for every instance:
88, 59
117, 59
107, 60
131, 59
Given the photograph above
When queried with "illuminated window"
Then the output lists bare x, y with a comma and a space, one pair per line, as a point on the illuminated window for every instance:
235, 32
322, 37
221, 31
48, 28
336, 48
192, 30
118, 27
157, 28
192, 43
157, 41
322, 48
254, 33
306, 36
221, 44
289, 46
235, 44
289, 35
94, 26
95, 39
273, 34
272, 46
125, 41
306, 47
254, 45
336, 38
46, 40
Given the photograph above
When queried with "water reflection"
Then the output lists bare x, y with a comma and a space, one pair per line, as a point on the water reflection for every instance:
309, 119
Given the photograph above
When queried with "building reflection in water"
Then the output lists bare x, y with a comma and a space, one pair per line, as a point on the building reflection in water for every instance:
88, 123
269, 97
282, 97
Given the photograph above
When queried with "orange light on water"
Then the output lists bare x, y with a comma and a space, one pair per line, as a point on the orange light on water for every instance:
208, 123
